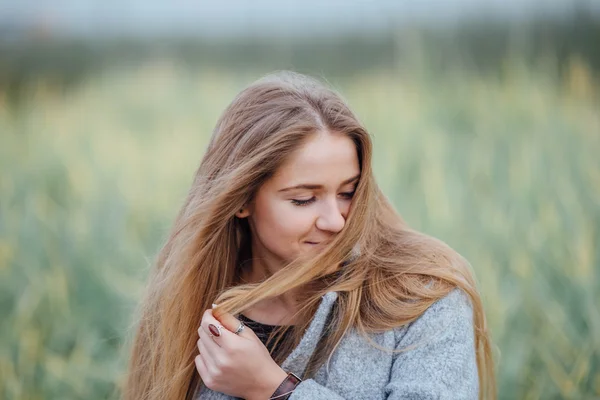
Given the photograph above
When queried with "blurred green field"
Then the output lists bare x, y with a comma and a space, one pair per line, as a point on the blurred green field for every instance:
505, 168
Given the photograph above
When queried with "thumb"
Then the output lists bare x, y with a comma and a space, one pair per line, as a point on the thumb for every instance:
231, 323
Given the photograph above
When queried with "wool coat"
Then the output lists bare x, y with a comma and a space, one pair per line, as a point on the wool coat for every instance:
438, 362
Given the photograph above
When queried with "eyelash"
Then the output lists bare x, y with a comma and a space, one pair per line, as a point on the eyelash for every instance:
301, 203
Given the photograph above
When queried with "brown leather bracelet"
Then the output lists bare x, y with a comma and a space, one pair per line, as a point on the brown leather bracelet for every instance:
285, 389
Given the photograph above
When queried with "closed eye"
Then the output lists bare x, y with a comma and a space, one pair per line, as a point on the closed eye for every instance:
345, 195
303, 202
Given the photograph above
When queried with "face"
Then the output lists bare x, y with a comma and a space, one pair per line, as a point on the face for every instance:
306, 202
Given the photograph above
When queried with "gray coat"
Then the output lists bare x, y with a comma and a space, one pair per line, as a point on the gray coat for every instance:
439, 364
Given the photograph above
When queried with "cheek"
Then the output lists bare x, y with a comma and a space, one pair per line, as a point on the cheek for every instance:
283, 223
345, 206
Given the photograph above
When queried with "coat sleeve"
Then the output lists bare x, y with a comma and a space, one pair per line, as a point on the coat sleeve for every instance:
439, 361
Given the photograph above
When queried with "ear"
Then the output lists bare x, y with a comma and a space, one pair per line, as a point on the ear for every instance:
243, 212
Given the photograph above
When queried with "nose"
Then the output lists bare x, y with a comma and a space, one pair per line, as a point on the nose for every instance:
331, 218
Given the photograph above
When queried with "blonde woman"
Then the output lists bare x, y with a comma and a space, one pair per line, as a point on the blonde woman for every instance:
288, 273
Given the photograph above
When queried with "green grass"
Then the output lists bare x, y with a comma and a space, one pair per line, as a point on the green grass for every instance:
505, 169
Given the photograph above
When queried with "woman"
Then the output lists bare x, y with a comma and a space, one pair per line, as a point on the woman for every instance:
285, 229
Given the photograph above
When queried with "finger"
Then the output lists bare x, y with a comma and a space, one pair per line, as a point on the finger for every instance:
224, 337
232, 324
200, 365
212, 327
208, 345
202, 347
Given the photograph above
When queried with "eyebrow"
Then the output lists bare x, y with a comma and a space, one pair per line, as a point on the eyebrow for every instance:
312, 186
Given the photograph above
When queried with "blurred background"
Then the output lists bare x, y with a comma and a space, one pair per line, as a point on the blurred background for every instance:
486, 125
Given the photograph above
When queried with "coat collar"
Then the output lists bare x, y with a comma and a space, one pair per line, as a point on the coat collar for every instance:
298, 359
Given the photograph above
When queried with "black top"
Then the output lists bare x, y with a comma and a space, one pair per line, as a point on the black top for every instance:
263, 331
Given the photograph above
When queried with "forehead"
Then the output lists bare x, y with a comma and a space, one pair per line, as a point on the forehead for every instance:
325, 158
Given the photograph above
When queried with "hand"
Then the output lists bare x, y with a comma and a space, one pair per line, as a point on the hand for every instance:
237, 365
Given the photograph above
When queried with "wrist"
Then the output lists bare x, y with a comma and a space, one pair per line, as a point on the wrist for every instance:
269, 384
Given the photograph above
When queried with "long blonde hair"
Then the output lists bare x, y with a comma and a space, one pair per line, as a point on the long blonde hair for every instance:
395, 277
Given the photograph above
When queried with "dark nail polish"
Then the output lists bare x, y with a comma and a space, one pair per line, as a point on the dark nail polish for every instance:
213, 330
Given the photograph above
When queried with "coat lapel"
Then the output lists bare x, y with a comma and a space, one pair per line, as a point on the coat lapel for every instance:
298, 359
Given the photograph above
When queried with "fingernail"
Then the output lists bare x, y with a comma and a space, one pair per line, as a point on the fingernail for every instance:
213, 305
213, 330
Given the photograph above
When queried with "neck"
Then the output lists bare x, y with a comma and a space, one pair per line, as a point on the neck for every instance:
261, 266
261, 270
